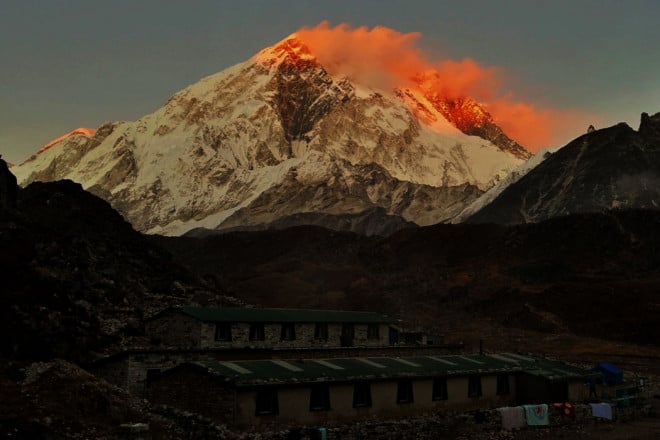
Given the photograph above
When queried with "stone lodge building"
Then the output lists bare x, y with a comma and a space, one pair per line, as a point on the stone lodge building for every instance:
197, 327
319, 392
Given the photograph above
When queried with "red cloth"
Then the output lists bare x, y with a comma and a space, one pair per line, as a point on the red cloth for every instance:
565, 409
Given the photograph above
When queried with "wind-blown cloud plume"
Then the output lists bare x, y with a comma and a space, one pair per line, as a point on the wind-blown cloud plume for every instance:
387, 59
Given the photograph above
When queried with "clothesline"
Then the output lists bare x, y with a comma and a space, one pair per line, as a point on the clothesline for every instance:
515, 417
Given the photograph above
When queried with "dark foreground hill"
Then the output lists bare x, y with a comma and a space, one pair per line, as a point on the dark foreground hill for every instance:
591, 274
75, 276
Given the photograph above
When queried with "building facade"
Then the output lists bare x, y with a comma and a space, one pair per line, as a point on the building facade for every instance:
320, 392
196, 327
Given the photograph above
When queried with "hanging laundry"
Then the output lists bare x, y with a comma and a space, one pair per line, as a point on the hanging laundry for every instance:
602, 410
536, 414
512, 417
565, 410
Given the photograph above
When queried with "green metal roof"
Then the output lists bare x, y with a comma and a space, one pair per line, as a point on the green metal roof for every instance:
274, 371
236, 314
556, 371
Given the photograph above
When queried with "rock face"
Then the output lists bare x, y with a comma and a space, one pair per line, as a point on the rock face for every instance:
278, 136
612, 168
8, 187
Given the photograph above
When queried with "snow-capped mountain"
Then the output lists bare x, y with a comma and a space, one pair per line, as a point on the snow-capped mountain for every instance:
278, 135
612, 168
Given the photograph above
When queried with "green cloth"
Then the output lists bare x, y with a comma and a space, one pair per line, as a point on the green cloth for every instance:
536, 415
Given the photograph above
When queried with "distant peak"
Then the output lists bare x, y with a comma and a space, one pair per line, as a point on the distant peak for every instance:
88, 132
291, 47
650, 125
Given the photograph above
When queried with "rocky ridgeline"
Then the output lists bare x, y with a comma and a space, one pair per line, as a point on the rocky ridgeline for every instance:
76, 277
612, 168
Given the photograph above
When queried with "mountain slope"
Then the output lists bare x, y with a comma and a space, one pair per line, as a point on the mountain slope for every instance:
612, 168
574, 275
276, 136
75, 276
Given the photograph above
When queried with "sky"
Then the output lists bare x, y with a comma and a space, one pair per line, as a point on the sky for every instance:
79, 63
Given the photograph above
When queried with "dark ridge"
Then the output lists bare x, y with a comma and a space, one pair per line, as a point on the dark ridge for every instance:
588, 271
76, 277
611, 168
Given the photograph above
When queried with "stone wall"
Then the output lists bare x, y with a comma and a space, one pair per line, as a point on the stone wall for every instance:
202, 394
294, 403
140, 364
240, 333
114, 371
174, 329
195, 390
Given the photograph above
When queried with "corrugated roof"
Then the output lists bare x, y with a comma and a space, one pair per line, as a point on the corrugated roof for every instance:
262, 372
553, 370
236, 314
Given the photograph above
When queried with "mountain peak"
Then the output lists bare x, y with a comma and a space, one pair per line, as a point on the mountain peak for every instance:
468, 115
650, 125
291, 48
275, 136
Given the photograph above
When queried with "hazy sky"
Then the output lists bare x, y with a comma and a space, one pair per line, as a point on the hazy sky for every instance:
79, 63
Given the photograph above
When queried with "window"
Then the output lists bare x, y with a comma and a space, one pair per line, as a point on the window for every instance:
474, 386
151, 374
348, 331
361, 394
439, 388
256, 332
502, 384
319, 397
266, 402
288, 332
321, 330
223, 331
347, 335
404, 393
373, 331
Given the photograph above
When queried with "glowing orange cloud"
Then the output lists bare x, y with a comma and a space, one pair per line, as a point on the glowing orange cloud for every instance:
387, 59
83, 131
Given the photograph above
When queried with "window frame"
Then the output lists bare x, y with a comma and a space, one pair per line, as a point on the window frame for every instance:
267, 397
503, 385
474, 386
440, 390
257, 332
321, 331
348, 330
363, 390
319, 397
404, 392
217, 334
373, 331
288, 331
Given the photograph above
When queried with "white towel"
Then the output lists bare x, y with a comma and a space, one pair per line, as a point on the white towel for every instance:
512, 417
602, 410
